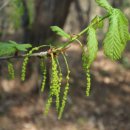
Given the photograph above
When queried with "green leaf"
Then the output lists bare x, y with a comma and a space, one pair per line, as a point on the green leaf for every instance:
59, 31
7, 49
92, 46
117, 35
12, 42
11, 47
104, 4
21, 47
123, 27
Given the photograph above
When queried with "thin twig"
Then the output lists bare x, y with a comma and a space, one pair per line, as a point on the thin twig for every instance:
40, 54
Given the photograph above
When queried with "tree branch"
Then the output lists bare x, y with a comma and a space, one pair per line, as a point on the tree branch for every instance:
57, 50
40, 54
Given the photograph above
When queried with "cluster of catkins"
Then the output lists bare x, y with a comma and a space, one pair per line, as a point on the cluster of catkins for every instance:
55, 83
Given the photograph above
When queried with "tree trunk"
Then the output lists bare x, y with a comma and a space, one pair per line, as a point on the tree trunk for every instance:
48, 13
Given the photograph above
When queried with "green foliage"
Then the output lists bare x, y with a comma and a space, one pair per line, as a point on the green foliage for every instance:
11, 47
7, 49
104, 4
60, 32
123, 27
117, 35
11, 70
21, 47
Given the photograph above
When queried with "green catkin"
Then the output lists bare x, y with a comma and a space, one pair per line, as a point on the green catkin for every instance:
88, 79
11, 70
48, 104
55, 82
60, 72
87, 71
54, 87
25, 62
65, 91
64, 99
60, 78
84, 60
44, 72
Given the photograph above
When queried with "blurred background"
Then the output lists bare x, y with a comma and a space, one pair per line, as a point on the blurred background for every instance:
22, 104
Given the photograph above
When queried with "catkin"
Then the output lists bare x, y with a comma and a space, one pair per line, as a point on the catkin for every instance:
55, 82
48, 104
44, 72
88, 88
65, 94
87, 71
11, 70
25, 62
64, 98
54, 87
60, 82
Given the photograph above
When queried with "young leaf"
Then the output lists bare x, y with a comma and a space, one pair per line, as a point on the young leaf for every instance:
104, 4
123, 27
117, 35
11, 47
21, 47
7, 49
92, 46
59, 31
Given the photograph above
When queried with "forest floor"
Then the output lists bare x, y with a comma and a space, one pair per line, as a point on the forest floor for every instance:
107, 108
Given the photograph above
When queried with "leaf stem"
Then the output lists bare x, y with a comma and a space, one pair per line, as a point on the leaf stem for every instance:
83, 31
45, 53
